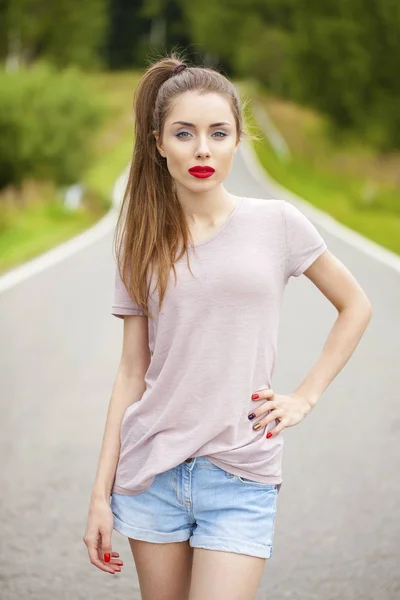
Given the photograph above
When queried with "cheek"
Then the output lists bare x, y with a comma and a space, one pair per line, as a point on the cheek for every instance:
225, 156
176, 153
225, 150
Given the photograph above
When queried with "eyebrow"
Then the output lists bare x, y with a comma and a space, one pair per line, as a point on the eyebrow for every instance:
193, 125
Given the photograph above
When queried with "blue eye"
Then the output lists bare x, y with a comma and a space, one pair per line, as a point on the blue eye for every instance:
183, 132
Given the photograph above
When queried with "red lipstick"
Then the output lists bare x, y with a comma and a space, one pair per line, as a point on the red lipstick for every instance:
201, 172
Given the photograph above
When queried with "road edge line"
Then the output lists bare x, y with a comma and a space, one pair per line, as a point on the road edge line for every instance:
70, 247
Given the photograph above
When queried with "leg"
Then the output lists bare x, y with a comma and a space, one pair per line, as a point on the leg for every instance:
164, 570
218, 575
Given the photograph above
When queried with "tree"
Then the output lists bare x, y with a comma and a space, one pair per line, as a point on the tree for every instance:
63, 32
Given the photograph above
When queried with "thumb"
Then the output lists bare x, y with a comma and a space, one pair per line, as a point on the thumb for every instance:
106, 547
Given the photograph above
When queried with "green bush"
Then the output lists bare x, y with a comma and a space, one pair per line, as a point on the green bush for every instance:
47, 122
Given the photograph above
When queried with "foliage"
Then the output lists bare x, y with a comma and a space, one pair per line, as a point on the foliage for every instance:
339, 56
63, 32
47, 121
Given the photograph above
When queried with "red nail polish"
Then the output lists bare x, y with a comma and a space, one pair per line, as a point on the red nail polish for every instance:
107, 558
255, 396
269, 434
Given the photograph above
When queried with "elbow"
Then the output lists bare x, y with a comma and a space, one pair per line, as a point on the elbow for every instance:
366, 307
368, 312
360, 307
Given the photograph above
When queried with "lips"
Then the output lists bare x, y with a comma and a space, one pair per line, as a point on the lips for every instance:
199, 169
201, 172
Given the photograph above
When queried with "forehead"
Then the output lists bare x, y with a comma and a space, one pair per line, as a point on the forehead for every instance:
201, 109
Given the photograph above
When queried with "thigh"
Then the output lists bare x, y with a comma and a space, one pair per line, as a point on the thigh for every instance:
233, 514
220, 575
155, 515
164, 570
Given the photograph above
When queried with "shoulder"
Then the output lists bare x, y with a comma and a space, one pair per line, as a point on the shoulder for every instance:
265, 211
264, 205
276, 211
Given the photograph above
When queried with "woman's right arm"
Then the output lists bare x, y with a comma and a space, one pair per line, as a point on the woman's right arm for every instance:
128, 388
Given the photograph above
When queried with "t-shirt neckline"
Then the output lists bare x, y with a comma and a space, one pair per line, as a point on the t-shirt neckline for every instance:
223, 226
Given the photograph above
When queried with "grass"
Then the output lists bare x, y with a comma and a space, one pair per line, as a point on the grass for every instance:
344, 176
34, 218
39, 227
113, 148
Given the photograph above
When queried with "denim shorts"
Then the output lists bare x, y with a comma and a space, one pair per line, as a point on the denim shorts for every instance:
202, 503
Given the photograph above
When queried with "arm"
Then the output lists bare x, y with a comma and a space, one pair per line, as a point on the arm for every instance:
128, 388
339, 286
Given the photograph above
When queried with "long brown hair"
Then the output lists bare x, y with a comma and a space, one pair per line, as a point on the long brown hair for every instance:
151, 225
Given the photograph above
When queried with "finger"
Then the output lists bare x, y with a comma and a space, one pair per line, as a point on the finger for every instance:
276, 430
115, 559
260, 410
95, 560
116, 562
107, 552
273, 416
263, 395
106, 546
268, 407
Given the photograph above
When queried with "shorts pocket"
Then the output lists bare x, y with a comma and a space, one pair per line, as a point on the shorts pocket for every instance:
251, 482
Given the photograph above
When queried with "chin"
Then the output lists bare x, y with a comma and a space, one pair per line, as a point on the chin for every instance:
196, 185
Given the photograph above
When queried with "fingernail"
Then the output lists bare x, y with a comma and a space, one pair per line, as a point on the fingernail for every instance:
107, 558
269, 434
255, 396
252, 416
257, 426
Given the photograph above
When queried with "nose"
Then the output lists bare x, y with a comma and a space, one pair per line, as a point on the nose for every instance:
203, 149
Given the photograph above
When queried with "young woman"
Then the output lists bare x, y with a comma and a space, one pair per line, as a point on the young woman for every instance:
192, 448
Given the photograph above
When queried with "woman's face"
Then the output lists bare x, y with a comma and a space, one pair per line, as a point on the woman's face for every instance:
199, 142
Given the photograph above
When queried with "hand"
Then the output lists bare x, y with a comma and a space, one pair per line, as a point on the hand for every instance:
97, 537
286, 410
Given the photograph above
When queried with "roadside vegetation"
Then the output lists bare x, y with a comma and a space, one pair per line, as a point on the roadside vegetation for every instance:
79, 131
337, 172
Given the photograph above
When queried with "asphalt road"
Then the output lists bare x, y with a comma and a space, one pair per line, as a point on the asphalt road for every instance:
337, 530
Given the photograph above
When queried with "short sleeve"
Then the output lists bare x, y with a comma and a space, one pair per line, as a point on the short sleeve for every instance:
123, 303
304, 243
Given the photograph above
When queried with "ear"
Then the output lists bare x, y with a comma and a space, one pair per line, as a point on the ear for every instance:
159, 146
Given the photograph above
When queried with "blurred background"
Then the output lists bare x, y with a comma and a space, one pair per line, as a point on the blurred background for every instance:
320, 85
321, 79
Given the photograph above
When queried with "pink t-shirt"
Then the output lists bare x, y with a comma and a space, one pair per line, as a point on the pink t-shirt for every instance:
213, 345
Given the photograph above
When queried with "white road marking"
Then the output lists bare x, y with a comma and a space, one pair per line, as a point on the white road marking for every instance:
71, 246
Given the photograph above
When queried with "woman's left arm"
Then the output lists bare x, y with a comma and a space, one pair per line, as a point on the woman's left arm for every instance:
339, 286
